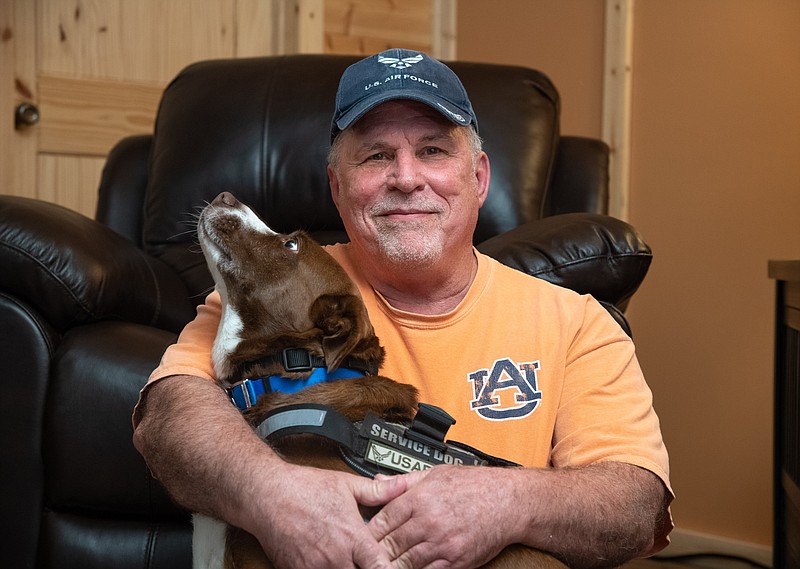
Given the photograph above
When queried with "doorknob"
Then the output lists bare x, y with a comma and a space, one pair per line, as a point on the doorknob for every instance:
25, 115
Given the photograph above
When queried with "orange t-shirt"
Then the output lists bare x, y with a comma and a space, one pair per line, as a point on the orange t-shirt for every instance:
532, 372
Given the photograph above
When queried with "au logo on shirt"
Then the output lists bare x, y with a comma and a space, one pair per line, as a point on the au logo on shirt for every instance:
507, 391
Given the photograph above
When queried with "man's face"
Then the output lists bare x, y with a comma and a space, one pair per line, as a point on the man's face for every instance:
408, 185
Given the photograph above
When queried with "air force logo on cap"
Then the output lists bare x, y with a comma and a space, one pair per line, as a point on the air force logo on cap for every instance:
400, 63
400, 74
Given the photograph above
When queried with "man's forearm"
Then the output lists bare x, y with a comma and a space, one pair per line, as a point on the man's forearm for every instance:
194, 441
596, 516
211, 461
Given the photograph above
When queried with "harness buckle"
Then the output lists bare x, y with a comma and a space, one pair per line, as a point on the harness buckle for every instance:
296, 359
430, 425
245, 393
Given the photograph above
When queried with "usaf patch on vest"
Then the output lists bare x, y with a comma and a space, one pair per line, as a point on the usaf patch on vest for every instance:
389, 457
406, 449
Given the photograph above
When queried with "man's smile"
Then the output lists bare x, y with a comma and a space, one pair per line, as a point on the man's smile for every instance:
404, 210
407, 215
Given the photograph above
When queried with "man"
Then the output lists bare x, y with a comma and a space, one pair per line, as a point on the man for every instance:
532, 372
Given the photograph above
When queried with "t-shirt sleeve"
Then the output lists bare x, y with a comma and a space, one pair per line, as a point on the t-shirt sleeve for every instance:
191, 354
606, 409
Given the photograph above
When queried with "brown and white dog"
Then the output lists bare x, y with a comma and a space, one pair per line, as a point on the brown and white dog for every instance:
284, 291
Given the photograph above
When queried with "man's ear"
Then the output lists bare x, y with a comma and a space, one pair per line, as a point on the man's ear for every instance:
333, 182
483, 174
346, 329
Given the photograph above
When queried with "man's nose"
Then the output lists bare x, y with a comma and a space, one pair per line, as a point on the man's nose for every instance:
405, 174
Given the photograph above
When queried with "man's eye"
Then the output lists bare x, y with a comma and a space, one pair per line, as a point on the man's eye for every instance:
378, 156
292, 245
432, 151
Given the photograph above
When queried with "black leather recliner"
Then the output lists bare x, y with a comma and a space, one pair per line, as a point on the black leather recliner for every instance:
87, 307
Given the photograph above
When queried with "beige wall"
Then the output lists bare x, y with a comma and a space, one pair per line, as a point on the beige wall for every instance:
563, 39
715, 189
716, 178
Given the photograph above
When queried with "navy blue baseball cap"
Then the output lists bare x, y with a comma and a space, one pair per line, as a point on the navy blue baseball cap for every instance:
400, 74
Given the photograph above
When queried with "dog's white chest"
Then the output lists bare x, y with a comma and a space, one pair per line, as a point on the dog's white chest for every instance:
208, 543
228, 339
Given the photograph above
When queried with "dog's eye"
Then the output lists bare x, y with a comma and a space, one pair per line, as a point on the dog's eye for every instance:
292, 245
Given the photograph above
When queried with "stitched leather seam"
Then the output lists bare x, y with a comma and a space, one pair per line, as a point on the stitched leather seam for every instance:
54, 276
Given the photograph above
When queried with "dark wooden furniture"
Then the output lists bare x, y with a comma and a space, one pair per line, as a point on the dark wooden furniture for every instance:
787, 414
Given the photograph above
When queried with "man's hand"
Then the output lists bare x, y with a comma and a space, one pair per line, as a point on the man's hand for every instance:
310, 518
600, 515
458, 515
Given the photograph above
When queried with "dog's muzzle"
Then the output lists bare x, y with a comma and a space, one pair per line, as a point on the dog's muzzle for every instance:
375, 446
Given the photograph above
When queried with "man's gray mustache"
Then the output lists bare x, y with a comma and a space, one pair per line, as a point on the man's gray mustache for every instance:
403, 205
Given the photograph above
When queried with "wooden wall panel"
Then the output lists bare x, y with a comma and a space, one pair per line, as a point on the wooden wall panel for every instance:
89, 116
101, 68
63, 180
365, 27
255, 33
714, 188
145, 40
18, 65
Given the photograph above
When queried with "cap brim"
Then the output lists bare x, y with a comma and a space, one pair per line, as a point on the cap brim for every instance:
450, 111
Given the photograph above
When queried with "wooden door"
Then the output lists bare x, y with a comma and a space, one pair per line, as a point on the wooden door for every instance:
93, 70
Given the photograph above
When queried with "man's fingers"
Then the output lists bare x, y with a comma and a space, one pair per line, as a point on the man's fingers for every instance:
387, 527
368, 554
379, 491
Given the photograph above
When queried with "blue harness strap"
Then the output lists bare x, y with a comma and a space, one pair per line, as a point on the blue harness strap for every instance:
244, 394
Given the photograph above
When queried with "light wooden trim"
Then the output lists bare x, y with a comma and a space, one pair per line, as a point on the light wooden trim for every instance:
618, 78
311, 26
444, 32
88, 116
257, 28
283, 30
298, 26
18, 65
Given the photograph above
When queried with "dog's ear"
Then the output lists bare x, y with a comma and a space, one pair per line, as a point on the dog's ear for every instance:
345, 327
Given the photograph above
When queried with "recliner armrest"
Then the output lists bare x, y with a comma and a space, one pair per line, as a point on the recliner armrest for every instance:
589, 253
75, 270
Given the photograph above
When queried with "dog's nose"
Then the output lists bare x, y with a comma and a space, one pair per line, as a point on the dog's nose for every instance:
225, 198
